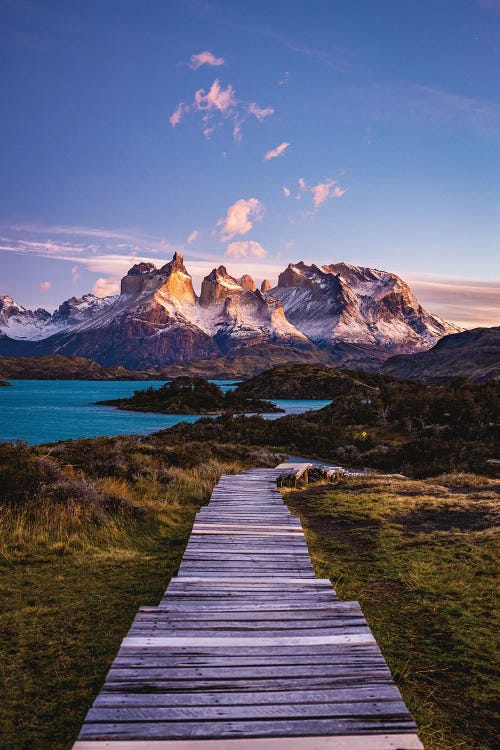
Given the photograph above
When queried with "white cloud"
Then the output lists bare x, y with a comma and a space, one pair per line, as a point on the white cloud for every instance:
45, 286
105, 287
260, 112
322, 191
286, 191
278, 151
244, 249
284, 80
178, 114
215, 98
192, 237
75, 274
240, 218
205, 58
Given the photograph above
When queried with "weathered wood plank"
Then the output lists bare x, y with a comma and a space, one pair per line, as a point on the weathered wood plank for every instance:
230, 728
381, 741
161, 641
207, 698
244, 712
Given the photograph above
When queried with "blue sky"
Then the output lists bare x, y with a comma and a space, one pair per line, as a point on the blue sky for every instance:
133, 128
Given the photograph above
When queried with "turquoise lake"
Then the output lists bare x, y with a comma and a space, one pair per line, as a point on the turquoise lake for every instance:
42, 411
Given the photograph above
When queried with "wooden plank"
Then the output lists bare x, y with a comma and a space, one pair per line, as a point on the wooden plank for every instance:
382, 741
257, 728
255, 581
244, 712
160, 642
207, 698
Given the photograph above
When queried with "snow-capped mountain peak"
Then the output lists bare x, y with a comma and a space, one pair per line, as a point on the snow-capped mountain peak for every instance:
158, 319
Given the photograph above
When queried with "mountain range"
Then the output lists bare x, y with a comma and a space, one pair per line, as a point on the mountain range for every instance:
337, 312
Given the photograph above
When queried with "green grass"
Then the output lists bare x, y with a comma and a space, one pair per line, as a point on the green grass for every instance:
72, 576
420, 556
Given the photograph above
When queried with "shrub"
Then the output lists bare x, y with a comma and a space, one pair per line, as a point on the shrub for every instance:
23, 474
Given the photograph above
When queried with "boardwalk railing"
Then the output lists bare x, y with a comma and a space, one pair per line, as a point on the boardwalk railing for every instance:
247, 649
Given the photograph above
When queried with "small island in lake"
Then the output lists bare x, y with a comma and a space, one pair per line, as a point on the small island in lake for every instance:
191, 395
3, 382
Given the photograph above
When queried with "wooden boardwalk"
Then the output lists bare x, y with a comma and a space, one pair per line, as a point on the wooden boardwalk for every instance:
247, 649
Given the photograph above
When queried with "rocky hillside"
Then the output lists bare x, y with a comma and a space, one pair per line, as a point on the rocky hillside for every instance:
344, 303
344, 313
58, 367
474, 355
309, 381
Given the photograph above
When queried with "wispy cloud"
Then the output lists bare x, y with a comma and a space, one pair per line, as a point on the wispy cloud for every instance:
75, 274
275, 152
45, 286
240, 218
426, 104
177, 115
70, 231
466, 302
192, 237
435, 103
243, 249
104, 251
205, 58
337, 59
260, 112
489, 4
220, 104
286, 191
322, 191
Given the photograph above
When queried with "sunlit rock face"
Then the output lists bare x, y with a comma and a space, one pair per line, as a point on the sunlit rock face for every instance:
237, 315
247, 283
218, 285
158, 319
172, 278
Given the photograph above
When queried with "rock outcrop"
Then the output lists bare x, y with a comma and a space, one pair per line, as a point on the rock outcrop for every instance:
344, 303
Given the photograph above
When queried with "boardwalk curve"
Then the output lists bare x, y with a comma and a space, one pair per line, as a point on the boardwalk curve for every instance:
247, 649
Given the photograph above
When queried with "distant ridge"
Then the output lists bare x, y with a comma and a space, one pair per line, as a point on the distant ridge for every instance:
474, 355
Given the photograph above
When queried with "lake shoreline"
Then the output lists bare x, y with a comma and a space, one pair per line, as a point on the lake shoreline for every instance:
47, 411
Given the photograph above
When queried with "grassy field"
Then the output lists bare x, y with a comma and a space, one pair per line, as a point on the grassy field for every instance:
73, 575
99, 526
421, 557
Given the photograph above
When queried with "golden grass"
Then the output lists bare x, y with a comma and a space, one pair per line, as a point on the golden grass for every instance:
422, 559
